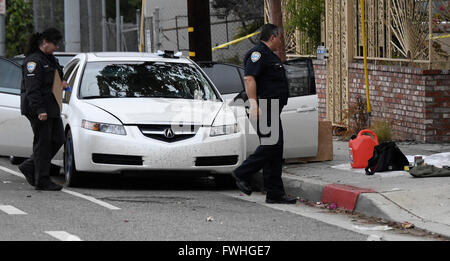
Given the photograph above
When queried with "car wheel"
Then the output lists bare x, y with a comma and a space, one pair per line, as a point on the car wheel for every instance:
72, 176
16, 160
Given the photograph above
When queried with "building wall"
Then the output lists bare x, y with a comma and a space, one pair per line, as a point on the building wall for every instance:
415, 101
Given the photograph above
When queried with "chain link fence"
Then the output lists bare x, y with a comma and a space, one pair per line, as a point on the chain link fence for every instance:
169, 31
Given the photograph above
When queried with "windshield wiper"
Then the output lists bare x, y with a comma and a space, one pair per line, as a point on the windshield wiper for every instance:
99, 97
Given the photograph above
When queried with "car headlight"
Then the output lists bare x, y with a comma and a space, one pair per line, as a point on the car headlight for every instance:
103, 127
224, 130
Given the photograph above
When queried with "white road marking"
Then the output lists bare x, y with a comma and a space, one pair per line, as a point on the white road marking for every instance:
15, 173
63, 236
10, 210
73, 193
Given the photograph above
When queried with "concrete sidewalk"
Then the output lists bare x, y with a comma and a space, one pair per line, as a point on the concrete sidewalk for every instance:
391, 196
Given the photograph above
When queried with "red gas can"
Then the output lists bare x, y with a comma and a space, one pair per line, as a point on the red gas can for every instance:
361, 149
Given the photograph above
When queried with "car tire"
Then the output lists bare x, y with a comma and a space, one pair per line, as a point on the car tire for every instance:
16, 160
55, 170
224, 181
72, 176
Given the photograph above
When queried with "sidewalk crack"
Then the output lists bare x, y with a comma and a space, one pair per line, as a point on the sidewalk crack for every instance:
408, 211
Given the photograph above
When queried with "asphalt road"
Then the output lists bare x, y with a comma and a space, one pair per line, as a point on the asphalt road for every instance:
164, 207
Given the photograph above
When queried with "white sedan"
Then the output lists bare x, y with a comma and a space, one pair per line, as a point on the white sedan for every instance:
132, 112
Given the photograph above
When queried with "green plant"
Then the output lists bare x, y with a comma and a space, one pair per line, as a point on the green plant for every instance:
306, 16
383, 130
357, 117
19, 25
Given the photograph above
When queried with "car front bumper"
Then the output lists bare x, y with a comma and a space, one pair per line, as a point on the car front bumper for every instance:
154, 154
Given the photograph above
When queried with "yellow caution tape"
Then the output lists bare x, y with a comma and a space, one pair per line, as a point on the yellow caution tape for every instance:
439, 37
234, 41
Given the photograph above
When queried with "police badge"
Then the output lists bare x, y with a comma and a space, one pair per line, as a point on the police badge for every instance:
31, 66
255, 56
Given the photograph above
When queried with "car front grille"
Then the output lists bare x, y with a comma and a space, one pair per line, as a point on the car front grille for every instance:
217, 161
117, 159
169, 133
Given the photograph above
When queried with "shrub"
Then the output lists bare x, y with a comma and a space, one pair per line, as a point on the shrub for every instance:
357, 118
19, 25
383, 130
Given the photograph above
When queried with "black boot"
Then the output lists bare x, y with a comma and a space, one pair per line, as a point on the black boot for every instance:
242, 185
46, 184
28, 173
281, 200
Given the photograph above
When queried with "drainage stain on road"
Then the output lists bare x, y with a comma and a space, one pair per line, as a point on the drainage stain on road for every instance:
149, 199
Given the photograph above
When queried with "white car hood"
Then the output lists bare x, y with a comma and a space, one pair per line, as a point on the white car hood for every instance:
160, 110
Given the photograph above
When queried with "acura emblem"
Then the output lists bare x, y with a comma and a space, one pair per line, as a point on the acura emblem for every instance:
168, 133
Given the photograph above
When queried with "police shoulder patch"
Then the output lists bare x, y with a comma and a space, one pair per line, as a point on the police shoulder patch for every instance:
255, 56
31, 66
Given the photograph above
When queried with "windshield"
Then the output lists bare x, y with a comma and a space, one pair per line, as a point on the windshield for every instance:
145, 79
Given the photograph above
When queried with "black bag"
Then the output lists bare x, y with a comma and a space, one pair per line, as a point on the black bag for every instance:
386, 157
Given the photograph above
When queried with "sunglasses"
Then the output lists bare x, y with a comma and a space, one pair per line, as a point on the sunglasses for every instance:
57, 43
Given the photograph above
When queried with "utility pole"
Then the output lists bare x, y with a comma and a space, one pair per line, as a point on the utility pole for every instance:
91, 26
276, 16
156, 40
149, 32
72, 25
118, 32
199, 28
2, 27
36, 19
104, 43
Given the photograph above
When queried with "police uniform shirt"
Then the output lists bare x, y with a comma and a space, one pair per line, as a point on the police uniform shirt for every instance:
36, 92
269, 73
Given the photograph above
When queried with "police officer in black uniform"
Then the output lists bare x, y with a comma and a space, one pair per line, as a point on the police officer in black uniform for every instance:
266, 83
41, 108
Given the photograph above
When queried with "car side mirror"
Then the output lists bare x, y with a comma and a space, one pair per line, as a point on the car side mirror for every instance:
241, 96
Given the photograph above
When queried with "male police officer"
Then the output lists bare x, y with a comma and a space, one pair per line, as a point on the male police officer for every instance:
265, 81
39, 105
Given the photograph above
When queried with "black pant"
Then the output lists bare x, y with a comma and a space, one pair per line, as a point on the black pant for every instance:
269, 158
48, 139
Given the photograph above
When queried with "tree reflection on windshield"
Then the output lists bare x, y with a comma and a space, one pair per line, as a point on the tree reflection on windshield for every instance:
149, 79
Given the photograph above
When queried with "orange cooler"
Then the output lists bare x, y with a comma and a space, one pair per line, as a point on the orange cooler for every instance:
361, 149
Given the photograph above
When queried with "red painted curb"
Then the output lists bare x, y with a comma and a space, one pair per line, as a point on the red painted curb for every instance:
343, 195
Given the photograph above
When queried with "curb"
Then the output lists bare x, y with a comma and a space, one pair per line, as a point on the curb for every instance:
363, 201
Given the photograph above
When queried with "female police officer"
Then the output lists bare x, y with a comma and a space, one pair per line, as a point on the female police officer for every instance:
41, 108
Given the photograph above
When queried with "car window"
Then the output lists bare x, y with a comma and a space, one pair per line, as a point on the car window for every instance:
10, 77
145, 79
298, 73
71, 82
227, 78
69, 69
64, 59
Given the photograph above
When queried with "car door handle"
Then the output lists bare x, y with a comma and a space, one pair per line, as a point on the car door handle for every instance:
306, 109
